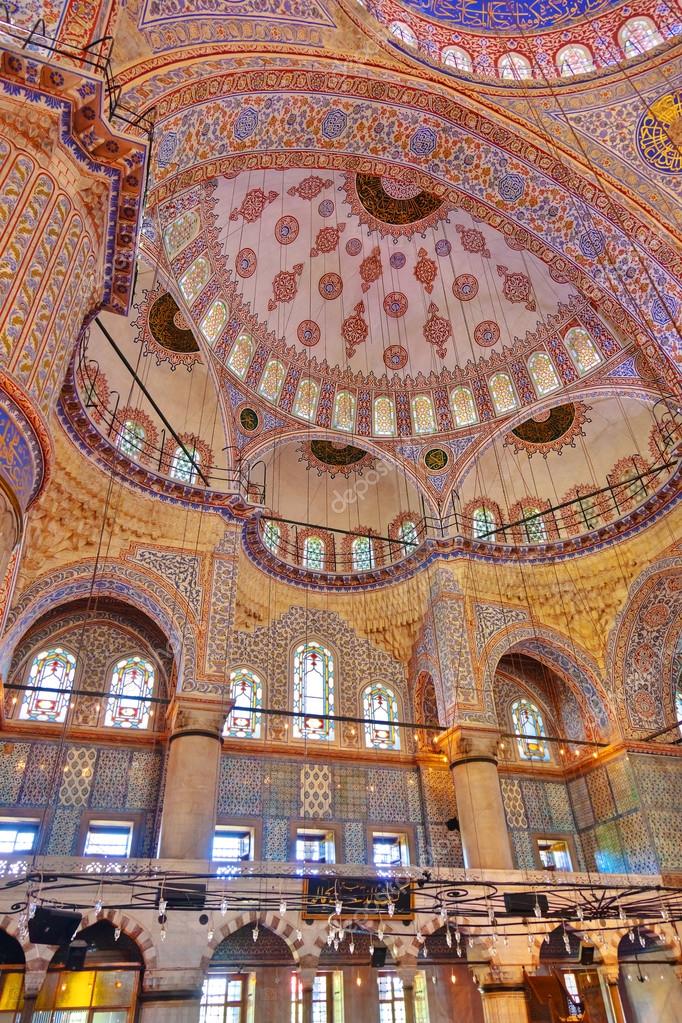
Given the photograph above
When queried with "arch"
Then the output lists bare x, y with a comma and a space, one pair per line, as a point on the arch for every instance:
529, 726
240, 355
273, 921
314, 690
566, 659
54, 667
380, 703
403, 32
344, 411
129, 926
574, 59
132, 682
543, 374
514, 66
638, 35
455, 56
246, 689
642, 649
463, 406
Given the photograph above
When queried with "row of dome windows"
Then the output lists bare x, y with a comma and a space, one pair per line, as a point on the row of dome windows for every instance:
318, 554
579, 344
636, 36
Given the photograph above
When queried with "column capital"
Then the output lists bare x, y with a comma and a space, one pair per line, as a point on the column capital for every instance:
189, 717
466, 743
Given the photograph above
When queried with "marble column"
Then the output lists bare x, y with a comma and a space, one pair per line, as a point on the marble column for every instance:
406, 971
472, 751
609, 978
360, 994
307, 977
189, 803
171, 995
33, 981
503, 996
270, 1003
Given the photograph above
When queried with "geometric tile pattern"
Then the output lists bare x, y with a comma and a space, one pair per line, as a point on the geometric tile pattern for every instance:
64, 831
78, 775
111, 779
559, 807
513, 803
582, 807
14, 758
354, 842
276, 839
600, 794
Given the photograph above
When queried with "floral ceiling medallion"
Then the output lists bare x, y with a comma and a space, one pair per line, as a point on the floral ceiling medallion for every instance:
164, 331
392, 207
550, 430
334, 458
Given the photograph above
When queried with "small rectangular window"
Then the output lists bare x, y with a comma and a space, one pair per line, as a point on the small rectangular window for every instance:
17, 836
390, 849
232, 843
315, 846
554, 854
108, 839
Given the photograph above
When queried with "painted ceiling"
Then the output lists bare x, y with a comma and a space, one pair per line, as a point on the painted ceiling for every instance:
517, 16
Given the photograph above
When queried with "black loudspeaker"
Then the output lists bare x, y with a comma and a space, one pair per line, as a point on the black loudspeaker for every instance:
452, 824
189, 896
53, 926
524, 903
586, 955
75, 955
378, 956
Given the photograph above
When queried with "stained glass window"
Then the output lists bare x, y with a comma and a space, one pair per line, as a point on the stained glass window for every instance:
362, 551
195, 279
272, 380
541, 369
214, 321
50, 681
313, 691
483, 523
502, 392
639, 35
181, 232
530, 728
313, 553
534, 525
423, 416
582, 349
384, 416
408, 536
222, 999
239, 358
463, 406
184, 464
132, 684
131, 439
272, 534
513, 65
246, 689
402, 31
574, 60
344, 411
306, 399
380, 708
455, 56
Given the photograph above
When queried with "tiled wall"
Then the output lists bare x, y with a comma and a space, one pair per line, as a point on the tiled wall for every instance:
73, 780
537, 806
279, 789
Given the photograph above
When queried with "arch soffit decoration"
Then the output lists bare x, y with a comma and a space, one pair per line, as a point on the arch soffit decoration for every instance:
271, 921
432, 119
551, 649
524, 689
141, 588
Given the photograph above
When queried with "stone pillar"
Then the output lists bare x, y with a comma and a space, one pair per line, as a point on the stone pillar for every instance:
503, 995
33, 981
270, 1001
171, 995
406, 971
609, 983
307, 976
360, 994
472, 750
189, 802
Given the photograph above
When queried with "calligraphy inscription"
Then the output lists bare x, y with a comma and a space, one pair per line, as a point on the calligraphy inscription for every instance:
503, 14
359, 896
16, 461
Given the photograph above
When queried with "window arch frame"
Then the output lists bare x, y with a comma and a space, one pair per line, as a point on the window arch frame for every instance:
625, 37
523, 748
457, 51
132, 449
327, 731
371, 562
474, 410
404, 33
586, 65
391, 405
510, 65
490, 520
393, 729
256, 729
542, 392
322, 562
245, 339
569, 345
109, 697
194, 463
65, 705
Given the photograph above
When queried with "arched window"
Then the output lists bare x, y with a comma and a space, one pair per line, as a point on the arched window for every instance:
639, 35
483, 524
313, 553
408, 535
463, 406
195, 279
246, 689
131, 439
384, 416
380, 709
344, 411
362, 550
306, 399
543, 374
214, 321
574, 60
50, 681
272, 534
181, 232
239, 358
184, 464
513, 65
423, 416
534, 525
455, 56
502, 392
403, 32
131, 686
313, 691
272, 380
582, 349
530, 728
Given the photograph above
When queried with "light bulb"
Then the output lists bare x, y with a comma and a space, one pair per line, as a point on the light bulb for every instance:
391, 908
282, 907
351, 947
448, 938
642, 940
358, 981
223, 906
117, 934
299, 934
162, 936
339, 907
254, 933
32, 907
98, 907
342, 934
163, 903
442, 916
336, 944
537, 910
425, 950
453, 979
330, 937
631, 936
380, 934
209, 936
